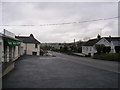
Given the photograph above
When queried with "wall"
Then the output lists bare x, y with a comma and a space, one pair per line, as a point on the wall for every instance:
1, 50
16, 53
31, 48
22, 48
112, 48
88, 50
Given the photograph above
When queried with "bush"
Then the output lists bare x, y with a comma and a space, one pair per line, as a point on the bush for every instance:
109, 56
117, 49
99, 47
106, 49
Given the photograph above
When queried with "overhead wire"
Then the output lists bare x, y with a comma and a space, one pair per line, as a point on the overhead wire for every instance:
86, 21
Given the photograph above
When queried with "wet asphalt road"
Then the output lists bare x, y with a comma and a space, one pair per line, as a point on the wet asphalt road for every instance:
62, 71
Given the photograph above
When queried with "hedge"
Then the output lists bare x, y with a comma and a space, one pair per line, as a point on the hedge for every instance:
108, 56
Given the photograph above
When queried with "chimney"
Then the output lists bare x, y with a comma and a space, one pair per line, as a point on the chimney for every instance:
98, 37
110, 38
31, 36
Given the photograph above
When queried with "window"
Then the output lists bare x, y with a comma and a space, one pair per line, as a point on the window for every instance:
36, 45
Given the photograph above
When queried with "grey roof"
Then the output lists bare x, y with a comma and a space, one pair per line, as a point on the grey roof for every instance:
92, 42
0, 34
112, 38
29, 39
116, 43
11, 38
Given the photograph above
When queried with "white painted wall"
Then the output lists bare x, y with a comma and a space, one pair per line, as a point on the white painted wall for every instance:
31, 48
8, 54
88, 49
112, 48
22, 48
1, 49
16, 52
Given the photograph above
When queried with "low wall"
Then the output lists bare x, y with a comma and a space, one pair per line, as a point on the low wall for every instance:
7, 67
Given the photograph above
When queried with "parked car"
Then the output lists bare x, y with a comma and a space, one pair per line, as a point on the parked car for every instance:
49, 54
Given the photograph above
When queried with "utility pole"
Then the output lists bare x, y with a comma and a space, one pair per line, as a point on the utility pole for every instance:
74, 45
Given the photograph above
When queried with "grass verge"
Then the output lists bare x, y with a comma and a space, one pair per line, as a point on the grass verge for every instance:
108, 56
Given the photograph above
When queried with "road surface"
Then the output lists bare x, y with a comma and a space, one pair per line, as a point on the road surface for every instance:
62, 71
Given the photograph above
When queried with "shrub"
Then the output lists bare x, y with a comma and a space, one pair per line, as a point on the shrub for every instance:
106, 49
117, 49
99, 47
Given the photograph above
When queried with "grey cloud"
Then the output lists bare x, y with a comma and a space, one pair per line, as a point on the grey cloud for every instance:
53, 13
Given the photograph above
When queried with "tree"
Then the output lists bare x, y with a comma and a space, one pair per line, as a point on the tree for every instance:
106, 49
99, 47
65, 49
117, 49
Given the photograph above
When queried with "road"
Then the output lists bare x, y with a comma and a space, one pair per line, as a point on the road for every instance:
62, 71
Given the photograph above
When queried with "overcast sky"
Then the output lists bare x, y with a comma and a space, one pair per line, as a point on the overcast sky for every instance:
40, 13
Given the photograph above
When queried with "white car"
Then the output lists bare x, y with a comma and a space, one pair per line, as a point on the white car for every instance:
49, 54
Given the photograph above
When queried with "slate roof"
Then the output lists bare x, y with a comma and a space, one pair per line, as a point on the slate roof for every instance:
28, 39
112, 38
92, 42
11, 38
116, 43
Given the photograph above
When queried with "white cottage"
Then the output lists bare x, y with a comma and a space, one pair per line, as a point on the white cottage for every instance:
29, 45
112, 42
89, 47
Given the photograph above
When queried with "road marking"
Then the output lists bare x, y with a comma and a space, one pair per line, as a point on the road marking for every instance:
46, 58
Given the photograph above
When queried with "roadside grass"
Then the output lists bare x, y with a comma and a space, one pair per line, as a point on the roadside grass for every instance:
108, 56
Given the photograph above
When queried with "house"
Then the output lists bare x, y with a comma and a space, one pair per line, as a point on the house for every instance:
89, 47
9, 51
112, 42
29, 45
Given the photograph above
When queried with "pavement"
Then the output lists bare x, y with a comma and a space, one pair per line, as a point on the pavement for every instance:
62, 71
79, 54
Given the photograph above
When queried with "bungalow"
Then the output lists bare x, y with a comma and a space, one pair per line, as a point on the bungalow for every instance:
112, 42
29, 45
89, 47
